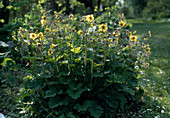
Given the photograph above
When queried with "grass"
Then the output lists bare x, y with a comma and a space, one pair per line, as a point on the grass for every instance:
157, 78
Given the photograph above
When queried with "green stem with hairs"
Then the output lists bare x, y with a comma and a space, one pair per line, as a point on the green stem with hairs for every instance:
105, 52
92, 64
42, 62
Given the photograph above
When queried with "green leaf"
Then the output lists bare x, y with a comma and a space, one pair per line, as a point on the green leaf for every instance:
96, 111
75, 87
9, 7
1, 5
117, 78
76, 50
2, 20
65, 80
78, 59
52, 83
97, 74
35, 84
62, 116
112, 102
30, 58
69, 115
69, 44
96, 65
86, 104
130, 91
75, 91
51, 92
54, 102
6, 60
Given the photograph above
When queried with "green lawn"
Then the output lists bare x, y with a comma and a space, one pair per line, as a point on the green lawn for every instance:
157, 78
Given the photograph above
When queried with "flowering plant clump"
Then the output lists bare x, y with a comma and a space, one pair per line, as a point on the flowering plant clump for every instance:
81, 66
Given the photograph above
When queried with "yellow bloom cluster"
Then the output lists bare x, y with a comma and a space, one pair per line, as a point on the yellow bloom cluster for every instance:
40, 35
71, 16
89, 18
149, 33
133, 38
55, 13
50, 51
43, 18
147, 50
80, 32
33, 36
122, 23
103, 28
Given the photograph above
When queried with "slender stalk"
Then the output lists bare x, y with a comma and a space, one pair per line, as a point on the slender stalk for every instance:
105, 52
55, 56
92, 63
42, 62
85, 61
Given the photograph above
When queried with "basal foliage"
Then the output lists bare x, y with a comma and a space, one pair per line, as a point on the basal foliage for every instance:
80, 67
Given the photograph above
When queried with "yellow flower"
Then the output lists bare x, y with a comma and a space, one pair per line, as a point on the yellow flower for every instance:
118, 34
50, 51
26, 31
44, 18
52, 45
91, 24
122, 23
22, 35
56, 21
71, 16
145, 38
80, 32
127, 31
55, 12
122, 14
109, 14
20, 29
130, 34
14, 37
117, 40
147, 50
38, 44
103, 28
42, 11
134, 32
16, 49
133, 38
149, 33
40, 35
27, 42
42, 22
90, 17
129, 47
114, 33
146, 46
85, 18
100, 31
47, 29
43, 39
53, 30
33, 36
